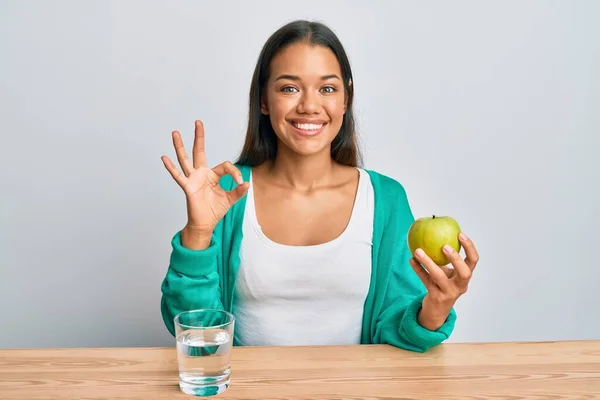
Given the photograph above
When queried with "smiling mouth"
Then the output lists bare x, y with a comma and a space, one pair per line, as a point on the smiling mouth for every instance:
308, 129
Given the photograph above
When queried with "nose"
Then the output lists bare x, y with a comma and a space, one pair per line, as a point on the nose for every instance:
310, 103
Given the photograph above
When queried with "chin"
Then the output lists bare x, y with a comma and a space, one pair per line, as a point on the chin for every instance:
307, 151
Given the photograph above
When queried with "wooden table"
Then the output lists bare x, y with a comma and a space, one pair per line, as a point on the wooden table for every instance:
524, 371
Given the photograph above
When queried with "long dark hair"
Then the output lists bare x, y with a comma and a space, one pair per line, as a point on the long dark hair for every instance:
261, 142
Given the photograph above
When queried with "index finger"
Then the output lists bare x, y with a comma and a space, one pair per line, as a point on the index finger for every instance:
438, 276
198, 149
227, 168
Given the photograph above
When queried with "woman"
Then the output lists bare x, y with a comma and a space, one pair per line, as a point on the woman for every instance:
299, 242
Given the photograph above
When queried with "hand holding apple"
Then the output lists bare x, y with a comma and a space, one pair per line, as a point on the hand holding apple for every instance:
434, 244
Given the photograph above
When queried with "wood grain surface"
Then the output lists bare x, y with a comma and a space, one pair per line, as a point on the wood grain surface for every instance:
512, 371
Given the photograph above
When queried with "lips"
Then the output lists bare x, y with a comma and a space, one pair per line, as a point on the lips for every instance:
308, 128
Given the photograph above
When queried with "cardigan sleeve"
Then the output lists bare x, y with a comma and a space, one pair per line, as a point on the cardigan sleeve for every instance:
397, 323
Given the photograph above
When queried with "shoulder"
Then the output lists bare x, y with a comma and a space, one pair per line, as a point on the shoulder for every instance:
392, 207
388, 188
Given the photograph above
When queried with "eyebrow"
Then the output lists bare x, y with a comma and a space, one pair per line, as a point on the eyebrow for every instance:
297, 78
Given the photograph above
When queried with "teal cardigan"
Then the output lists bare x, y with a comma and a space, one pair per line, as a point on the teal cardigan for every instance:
206, 278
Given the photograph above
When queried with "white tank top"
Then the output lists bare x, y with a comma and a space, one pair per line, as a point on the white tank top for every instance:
304, 295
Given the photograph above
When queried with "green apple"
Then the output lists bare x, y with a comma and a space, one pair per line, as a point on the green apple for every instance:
431, 234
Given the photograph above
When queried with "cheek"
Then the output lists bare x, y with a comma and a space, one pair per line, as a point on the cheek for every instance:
278, 112
282, 105
335, 107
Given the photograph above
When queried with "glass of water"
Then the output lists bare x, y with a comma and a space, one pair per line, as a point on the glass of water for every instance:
204, 340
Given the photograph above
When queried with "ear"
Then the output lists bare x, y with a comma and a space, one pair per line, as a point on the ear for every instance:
346, 95
263, 107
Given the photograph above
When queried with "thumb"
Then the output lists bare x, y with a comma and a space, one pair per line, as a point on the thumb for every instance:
236, 194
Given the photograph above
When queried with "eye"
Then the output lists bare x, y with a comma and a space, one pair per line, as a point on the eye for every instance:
289, 89
328, 89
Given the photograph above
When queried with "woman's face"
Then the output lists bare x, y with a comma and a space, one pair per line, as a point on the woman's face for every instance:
305, 98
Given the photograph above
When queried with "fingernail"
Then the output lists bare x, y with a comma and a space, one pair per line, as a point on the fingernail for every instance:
447, 249
462, 236
239, 180
419, 253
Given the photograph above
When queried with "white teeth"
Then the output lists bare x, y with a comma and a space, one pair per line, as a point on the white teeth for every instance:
308, 127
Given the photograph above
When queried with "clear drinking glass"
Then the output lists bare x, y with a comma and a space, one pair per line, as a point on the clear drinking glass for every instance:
204, 341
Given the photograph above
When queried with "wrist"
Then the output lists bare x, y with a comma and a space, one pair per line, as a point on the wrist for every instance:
432, 314
195, 239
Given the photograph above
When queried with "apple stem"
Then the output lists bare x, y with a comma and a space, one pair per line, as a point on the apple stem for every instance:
434, 216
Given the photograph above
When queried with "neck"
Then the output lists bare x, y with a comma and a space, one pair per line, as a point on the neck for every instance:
302, 172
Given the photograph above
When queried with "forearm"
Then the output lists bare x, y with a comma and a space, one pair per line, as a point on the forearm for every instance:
183, 293
399, 326
192, 280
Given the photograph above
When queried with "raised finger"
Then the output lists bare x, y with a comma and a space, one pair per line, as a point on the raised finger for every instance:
421, 273
435, 272
227, 168
198, 151
184, 161
178, 176
463, 272
472, 256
